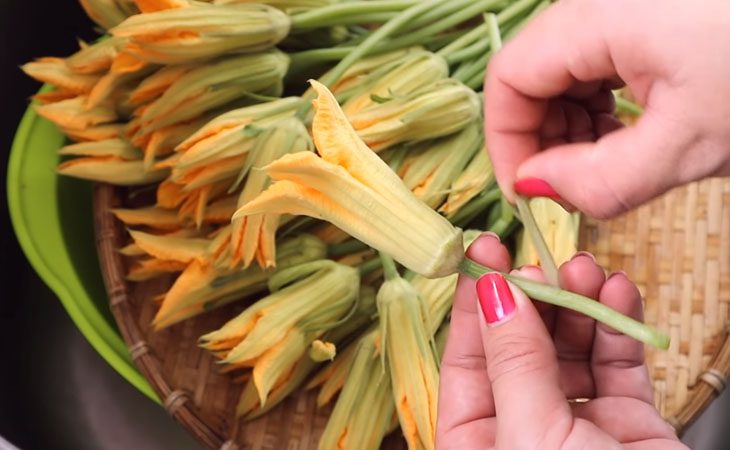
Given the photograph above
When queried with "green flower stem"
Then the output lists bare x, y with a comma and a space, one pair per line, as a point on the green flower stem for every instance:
345, 248
475, 206
333, 14
584, 305
473, 9
626, 106
439, 12
538, 241
475, 42
369, 266
368, 44
390, 271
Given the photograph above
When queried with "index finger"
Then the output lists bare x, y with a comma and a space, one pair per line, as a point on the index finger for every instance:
562, 46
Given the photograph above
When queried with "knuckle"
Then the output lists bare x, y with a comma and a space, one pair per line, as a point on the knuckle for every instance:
511, 355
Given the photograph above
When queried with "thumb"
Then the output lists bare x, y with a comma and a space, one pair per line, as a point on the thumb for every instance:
531, 409
620, 171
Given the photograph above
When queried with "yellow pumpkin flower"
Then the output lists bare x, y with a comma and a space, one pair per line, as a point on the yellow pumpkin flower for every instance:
410, 360
202, 31
275, 332
476, 177
213, 85
203, 286
254, 236
351, 187
413, 72
55, 71
431, 166
350, 426
437, 110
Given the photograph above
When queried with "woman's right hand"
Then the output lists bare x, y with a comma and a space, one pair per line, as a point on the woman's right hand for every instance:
548, 103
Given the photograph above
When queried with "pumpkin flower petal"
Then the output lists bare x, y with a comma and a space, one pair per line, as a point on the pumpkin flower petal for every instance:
253, 236
106, 13
111, 169
55, 71
72, 113
95, 58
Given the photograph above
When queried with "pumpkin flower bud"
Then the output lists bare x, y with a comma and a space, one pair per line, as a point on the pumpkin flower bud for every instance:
227, 135
352, 426
439, 109
112, 161
477, 176
202, 31
351, 187
361, 72
275, 332
415, 71
213, 85
431, 166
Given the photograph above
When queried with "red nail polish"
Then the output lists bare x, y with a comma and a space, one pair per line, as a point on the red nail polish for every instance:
535, 187
495, 297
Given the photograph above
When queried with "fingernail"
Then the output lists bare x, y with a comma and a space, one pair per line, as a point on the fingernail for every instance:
535, 187
586, 254
491, 234
618, 272
495, 298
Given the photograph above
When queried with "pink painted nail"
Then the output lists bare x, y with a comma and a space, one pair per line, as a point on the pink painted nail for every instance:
535, 187
495, 298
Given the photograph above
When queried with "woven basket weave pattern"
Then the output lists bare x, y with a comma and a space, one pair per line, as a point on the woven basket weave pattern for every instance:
677, 249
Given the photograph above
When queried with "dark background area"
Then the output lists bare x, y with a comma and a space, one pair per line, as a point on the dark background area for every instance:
55, 391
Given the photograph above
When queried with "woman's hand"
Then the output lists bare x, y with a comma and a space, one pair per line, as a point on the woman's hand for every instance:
550, 88
511, 366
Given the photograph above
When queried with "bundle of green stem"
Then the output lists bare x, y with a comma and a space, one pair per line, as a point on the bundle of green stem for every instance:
207, 103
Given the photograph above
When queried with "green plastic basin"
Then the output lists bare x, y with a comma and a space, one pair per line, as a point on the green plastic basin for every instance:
53, 221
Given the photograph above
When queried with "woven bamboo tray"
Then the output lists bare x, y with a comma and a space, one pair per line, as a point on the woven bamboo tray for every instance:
677, 249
